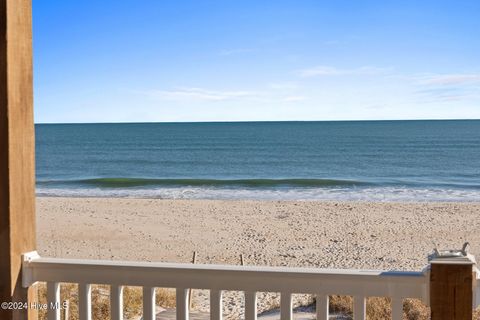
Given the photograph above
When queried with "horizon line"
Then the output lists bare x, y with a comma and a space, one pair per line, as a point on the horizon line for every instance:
257, 121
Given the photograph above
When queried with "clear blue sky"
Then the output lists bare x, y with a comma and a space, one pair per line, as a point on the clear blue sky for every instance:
150, 60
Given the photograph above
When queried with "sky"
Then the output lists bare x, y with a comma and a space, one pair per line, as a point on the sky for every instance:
181, 61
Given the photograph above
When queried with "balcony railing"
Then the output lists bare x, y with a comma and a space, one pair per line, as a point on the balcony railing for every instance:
320, 282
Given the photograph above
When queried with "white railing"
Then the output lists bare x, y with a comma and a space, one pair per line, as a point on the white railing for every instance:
321, 282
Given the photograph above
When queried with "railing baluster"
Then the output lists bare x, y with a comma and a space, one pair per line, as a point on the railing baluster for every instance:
85, 301
148, 303
182, 304
322, 306
397, 308
216, 305
116, 302
53, 300
250, 305
66, 310
286, 306
359, 308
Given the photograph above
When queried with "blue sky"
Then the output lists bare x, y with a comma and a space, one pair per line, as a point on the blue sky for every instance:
150, 60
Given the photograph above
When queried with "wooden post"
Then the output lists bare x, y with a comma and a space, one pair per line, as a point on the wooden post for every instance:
451, 288
17, 165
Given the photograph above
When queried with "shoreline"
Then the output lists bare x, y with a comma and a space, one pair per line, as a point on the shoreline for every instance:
41, 196
413, 202
366, 195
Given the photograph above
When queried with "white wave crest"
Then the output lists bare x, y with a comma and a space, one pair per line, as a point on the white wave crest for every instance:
382, 194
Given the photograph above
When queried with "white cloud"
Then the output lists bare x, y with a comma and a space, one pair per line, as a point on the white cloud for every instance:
284, 85
229, 52
273, 94
435, 95
333, 71
199, 94
294, 98
452, 87
320, 71
449, 79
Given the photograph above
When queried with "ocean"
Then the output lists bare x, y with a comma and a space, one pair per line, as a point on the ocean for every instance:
338, 160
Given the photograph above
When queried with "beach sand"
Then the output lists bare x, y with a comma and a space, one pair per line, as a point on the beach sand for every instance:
389, 236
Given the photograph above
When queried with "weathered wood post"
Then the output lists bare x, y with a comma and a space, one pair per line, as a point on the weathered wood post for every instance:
17, 165
451, 286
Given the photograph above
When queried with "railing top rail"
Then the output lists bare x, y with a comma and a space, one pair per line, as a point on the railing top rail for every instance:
39, 262
227, 277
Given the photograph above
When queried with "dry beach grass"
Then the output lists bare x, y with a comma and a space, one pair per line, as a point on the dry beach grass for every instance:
132, 303
377, 308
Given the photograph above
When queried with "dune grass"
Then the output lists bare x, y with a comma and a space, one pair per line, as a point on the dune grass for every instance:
132, 300
378, 308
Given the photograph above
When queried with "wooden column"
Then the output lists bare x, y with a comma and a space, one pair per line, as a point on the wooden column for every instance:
17, 164
451, 289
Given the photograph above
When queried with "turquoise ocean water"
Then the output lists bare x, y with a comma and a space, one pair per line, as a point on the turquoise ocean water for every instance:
364, 160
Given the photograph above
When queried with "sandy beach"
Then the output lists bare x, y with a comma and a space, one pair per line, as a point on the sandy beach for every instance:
275, 233
389, 236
